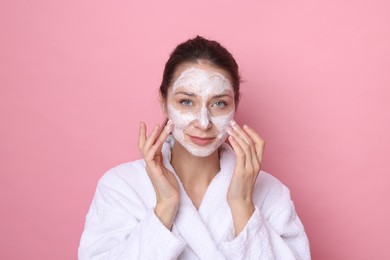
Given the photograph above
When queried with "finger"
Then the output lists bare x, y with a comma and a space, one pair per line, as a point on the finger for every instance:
240, 155
141, 136
247, 158
165, 132
246, 144
154, 149
157, 146
256, 160
258, 141
240, 132
152, 138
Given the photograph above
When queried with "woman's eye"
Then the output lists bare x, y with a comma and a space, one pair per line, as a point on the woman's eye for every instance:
186, 102
219, 104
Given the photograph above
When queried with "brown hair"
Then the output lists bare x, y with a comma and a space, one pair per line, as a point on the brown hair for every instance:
196, 49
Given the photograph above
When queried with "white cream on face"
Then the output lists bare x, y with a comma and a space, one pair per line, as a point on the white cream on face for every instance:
205, 85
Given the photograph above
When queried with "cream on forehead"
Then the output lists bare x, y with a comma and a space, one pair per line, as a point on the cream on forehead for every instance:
202, 83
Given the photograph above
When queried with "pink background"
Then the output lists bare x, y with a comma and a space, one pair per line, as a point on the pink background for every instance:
76, 77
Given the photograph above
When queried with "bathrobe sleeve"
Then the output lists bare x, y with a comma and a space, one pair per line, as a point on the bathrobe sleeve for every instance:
119, 226
275, 234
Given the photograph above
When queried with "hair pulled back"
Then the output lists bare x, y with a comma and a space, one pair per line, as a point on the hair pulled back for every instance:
194, 50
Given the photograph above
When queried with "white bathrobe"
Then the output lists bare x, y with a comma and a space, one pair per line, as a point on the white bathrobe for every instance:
121, 223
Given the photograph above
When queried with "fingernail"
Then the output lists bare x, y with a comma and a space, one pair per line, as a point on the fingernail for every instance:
229, 130
233, 124
169, 125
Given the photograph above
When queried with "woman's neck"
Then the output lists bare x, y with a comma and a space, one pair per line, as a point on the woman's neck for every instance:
194, 172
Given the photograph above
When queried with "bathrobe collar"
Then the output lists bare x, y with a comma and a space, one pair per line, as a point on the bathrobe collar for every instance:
204, 229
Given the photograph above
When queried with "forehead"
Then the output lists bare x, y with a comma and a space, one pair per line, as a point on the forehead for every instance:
201, 77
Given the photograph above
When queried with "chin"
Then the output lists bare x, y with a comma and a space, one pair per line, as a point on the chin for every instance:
201, 153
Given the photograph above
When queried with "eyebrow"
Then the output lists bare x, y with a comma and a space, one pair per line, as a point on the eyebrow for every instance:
221, 95
194, 95
186, 93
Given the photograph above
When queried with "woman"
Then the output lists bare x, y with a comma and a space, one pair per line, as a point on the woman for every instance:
193, 196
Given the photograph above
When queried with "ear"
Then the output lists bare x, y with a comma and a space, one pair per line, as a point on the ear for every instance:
163, 105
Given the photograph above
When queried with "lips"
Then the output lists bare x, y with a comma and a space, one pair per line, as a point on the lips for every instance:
202, 141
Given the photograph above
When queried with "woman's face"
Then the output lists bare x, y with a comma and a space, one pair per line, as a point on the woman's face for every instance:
200, 103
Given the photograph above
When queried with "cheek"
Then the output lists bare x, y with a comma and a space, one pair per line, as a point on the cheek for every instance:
222, 122
180, 120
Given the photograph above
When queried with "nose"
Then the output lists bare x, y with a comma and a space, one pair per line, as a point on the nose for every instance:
203, 118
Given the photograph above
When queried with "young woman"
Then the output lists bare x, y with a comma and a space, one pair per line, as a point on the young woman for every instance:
193, 196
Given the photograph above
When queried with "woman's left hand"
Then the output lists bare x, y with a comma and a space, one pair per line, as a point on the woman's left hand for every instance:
248, 147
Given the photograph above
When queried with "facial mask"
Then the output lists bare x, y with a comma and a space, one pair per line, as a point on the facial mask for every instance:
204, 84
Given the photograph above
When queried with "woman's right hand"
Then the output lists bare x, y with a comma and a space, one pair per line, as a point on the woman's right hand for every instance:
164, 182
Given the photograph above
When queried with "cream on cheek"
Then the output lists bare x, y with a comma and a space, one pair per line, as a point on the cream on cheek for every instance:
221, 123
203, 84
